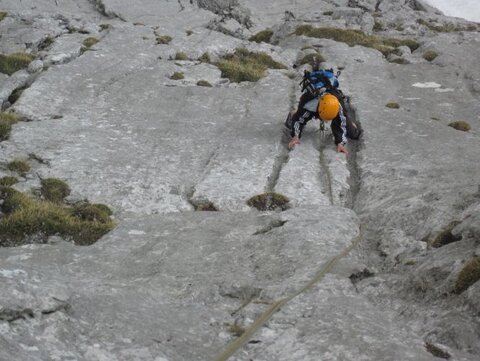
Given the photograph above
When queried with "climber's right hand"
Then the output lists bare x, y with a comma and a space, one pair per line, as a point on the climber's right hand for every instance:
295, 140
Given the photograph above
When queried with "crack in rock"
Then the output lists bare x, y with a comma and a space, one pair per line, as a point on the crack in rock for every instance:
100, 7
10, 315
277, 223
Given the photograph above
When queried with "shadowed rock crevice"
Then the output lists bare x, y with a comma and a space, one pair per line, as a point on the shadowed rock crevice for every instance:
10, 315
325, 173
102, 10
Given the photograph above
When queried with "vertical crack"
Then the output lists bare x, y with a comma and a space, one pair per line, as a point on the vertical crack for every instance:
325, 175
283, 155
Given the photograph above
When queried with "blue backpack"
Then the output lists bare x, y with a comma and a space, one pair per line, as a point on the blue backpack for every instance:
318, 81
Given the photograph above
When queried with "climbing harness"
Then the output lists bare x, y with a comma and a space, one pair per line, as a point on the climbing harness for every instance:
265, 316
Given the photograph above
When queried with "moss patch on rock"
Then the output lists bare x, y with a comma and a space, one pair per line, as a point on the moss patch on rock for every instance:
430, 55
164, 39
437, 351
21, 166
54, 190
357, 37
180, 55
3, 15
177, 76
12, 63
244, 65
26, 217
460, 125
236, 330
203, 205
262, 36
469, 275
8, 181
204, 83
445, 236
392, 105
90, 41
269, 201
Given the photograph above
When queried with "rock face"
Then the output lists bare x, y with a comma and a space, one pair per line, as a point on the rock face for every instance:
170, 283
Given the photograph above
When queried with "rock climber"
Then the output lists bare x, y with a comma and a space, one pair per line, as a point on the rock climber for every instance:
322, 98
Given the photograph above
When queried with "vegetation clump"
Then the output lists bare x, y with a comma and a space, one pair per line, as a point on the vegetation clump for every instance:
177, 76
54, 190
3, 15
244, 65
444, 28
430, 55
92, 212
180, 55
189, 32
357, 37
89, 42
8, 181
312, 58
445, 236
378, 26
203, 205
262, 36
460, 125
205, 58
468, 275
393, 105
269, 201
400, 61
27, 217
236, 330
16, 94
164, 39
204, 83
6, 121
9, 64
20, 166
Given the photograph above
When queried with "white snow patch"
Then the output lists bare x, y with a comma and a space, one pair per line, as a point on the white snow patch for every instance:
135, 232
430, 84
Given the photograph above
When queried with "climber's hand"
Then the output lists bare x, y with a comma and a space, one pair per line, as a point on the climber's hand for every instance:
342, 148
295, 140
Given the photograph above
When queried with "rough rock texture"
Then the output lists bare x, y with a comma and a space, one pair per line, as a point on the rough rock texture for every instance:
173, 284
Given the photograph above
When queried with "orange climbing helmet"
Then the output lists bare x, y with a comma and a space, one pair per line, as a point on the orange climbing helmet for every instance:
328, 107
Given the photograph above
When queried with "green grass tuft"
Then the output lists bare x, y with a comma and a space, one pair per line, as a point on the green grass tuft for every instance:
460, 125
429, 55
357, 37
20, 166
54, 190
8, 181
468, 275
262, 36
3, 15
6, 121
205, 58
9, 64
177, 76
92, 212
180, 55
89, 42
26, 216
393, 105
244, 65
328, 13
378, 26
236, 330
164, 39
444, 28
204, 83
269, 201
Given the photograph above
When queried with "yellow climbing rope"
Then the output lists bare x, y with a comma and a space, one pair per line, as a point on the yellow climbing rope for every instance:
264, 317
